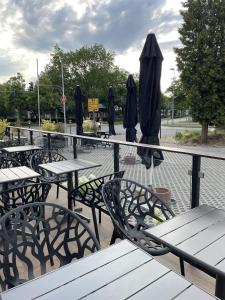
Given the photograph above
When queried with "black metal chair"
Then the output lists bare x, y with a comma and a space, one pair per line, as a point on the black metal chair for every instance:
134, 208
43, 237
24, 194
46, 156
90, 194
7, 162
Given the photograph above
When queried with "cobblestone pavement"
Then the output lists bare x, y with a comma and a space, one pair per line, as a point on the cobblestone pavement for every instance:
171, 174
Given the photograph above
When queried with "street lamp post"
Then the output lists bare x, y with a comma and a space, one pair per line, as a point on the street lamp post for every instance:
38, 99
173, 81
63, 96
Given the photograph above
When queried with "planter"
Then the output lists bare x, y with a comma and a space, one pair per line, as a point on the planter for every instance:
163, 194
130, 160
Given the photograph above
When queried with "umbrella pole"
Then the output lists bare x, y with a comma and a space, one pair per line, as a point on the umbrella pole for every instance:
151, 171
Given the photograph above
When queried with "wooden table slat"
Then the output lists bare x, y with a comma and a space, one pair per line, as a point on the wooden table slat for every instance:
17, 173
24, 172
214, 253
21, 148
165, 288
181, 220
62, 167
105, 274
188, 230
194, 293
117, 272
61, 276
11, 176
135, 281
203, 238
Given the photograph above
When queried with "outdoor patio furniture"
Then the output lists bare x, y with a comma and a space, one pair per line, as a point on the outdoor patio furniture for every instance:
134, 208
47, 156
16, 175
90, 194
42, 237
105, 135
8, 162
22, 154
198, 236
122, 271
14, 197
67, 168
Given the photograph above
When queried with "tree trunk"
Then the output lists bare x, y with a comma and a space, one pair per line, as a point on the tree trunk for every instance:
204, 136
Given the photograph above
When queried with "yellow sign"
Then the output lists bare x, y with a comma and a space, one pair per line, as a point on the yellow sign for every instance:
93, 104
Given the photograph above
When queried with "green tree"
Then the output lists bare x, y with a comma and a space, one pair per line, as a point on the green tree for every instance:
17, 97
90, 67
177, 93
201, 60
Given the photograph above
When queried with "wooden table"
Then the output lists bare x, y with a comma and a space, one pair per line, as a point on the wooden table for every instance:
22, 151
117, 272
69, 167
198, 236
16, 174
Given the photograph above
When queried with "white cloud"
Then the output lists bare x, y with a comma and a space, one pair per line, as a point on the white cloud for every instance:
29, 30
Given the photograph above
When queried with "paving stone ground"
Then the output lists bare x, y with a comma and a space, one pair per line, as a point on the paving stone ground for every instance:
171, 174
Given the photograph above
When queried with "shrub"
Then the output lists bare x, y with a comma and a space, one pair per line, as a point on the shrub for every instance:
178, 136
89, 125
48, 125
186, 137
3, 125
59, 127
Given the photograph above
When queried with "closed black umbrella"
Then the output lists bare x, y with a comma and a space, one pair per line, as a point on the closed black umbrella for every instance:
78, 97
110, 110
149, 100
130, 113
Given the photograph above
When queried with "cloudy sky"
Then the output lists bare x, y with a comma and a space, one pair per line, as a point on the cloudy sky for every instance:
30, 28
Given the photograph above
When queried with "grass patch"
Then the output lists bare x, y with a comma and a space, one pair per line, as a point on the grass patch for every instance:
216, 138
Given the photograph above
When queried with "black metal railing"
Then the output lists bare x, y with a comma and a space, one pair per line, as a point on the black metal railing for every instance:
195, 173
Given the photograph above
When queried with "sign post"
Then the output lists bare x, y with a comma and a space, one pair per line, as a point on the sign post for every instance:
63, 98
93, 106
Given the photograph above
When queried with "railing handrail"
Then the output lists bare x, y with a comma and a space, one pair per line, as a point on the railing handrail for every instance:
132, 144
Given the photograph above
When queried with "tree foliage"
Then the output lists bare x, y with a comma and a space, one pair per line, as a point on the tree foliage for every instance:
201, 60
177, 92
90, 67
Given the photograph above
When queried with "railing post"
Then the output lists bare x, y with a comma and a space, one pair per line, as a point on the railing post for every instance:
195, 192
49, 141
31, 138
18, 135
74, 147
116, 151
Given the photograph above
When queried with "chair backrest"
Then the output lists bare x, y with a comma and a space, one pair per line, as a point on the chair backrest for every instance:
38, 237
133, 207
91, 191
42, 157
8, 162
24, 194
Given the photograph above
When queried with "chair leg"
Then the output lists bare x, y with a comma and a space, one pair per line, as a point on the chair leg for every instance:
95, 223
182, 266
57, 191
114, 237
99, 216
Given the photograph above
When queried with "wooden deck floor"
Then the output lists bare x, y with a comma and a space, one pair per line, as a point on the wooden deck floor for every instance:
194, 275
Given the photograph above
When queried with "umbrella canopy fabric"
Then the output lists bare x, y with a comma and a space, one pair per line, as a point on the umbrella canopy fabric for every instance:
149, 100
78, 97
110, 110
130, 114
